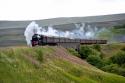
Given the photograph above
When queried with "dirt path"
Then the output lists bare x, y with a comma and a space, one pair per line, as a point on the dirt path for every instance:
63, 54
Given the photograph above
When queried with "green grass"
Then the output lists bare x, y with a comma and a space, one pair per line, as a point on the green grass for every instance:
40, 65
111, 49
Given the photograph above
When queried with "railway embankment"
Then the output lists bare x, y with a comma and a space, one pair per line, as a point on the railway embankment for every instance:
49, 65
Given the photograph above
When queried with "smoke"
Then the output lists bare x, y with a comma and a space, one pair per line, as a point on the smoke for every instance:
81, 31
31, 29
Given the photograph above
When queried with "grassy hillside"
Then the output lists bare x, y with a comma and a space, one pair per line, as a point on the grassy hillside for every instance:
111, 49
49, 65
113, 34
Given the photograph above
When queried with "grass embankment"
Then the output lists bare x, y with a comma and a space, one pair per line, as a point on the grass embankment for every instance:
46, 65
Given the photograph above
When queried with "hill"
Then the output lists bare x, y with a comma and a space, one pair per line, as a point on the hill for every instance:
12, 32
111, 49
49, 65
113, 34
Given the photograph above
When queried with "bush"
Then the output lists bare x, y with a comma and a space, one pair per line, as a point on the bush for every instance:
97, 47
119, 58
110, 68
96, 53
123, 48
107, 61
96, 61
73, 52
114, 68
85, 51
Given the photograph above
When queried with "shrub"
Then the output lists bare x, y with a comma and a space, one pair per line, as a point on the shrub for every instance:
110, 68
85, 51
123, 48
95, 60
97, 47
119, 58
114, 68
96, 53
107, 61
73, 52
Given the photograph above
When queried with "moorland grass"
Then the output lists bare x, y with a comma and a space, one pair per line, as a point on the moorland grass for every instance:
15, 67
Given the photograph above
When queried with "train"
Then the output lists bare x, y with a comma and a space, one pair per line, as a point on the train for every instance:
43, 40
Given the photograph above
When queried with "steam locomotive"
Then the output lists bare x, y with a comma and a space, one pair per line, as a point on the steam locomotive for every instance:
65, 42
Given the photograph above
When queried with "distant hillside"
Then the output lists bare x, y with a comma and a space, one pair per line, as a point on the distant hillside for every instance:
104, 19
49, 65
113, 34
11, 32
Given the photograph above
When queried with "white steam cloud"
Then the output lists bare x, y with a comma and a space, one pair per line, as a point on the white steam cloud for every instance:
81, 31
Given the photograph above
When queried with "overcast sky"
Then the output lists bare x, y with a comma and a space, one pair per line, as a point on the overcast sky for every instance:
43, 9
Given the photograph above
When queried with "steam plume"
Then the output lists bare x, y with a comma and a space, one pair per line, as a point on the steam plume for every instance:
81, 31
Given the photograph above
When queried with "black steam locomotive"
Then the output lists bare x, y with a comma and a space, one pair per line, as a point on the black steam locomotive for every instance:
66, 42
